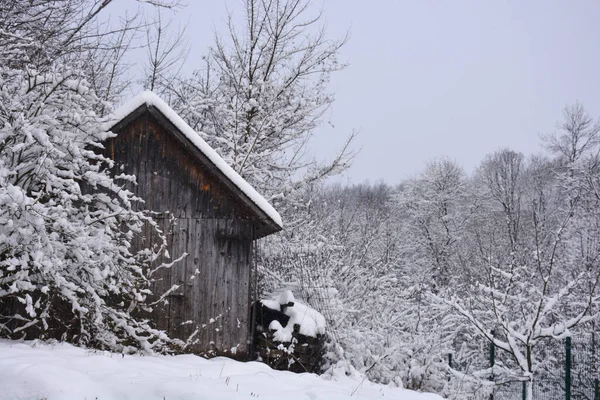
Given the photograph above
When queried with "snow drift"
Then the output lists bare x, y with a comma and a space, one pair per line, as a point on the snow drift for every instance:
33, 370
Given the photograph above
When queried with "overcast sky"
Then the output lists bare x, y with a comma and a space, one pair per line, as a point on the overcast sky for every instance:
426, 79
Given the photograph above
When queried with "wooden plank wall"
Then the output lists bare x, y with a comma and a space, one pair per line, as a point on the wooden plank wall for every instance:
209, 224
169, 177
214, 286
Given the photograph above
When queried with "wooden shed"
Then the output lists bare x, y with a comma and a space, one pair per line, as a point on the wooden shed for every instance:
207, 211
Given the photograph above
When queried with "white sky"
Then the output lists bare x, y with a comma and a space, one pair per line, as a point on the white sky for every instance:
441, 78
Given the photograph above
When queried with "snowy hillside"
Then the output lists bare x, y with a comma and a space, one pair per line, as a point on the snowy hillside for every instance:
29, 370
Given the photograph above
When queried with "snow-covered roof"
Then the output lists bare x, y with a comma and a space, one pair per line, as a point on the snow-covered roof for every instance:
151, 99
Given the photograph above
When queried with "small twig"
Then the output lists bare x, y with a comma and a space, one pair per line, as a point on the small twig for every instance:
359, 385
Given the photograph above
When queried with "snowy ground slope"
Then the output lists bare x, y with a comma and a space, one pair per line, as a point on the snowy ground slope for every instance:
61, 372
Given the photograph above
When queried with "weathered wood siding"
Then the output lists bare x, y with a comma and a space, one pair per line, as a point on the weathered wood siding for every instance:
202, 218
169, 176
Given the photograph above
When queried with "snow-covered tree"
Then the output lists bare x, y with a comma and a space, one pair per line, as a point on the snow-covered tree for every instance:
262, 93
536, 244
67, 268
436, 206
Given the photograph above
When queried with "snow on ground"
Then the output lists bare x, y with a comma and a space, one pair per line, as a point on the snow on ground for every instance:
35, 371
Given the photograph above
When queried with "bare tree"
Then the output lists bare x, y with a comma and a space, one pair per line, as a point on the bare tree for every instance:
106, 65
578, 135
166, 52
502, 173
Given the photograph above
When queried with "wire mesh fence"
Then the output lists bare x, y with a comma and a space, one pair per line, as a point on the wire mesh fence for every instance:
307, 272
585, 367
569, 371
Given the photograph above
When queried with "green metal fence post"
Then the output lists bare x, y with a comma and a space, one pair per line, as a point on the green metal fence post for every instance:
568, 368
450, 360
492, 362
524, 391
595, 362
492, 352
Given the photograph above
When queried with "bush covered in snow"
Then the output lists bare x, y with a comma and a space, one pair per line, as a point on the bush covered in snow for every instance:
67, 269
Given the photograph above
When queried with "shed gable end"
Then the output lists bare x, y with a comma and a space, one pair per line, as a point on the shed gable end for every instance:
169, 175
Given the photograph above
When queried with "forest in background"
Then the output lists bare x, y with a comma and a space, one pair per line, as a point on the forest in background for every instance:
444, 263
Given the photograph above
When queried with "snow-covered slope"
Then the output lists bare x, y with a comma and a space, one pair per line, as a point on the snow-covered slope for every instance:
31, 370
